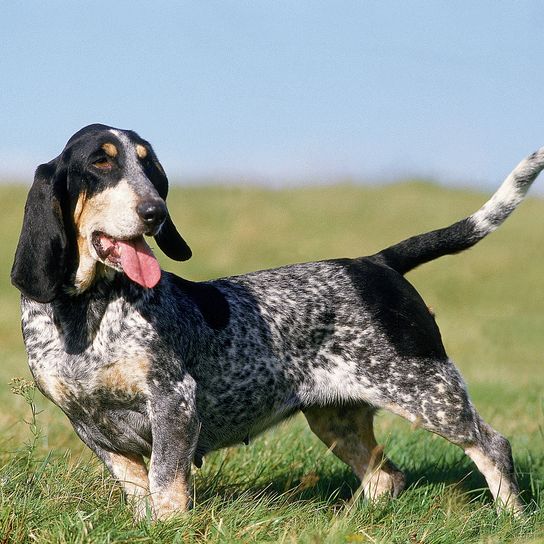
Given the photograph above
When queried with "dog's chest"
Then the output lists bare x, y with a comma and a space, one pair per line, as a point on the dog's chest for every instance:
110, 369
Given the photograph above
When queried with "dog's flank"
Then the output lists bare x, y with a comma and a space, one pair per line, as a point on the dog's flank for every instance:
178, 370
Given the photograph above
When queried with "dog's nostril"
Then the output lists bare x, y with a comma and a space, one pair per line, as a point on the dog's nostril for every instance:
152, 212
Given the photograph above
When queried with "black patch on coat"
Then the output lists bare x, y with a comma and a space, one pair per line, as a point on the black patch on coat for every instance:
209, 300
399, 309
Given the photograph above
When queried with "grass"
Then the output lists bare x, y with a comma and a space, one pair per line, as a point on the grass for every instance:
286, 486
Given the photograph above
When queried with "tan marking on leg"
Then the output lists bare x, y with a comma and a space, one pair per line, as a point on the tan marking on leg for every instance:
349, 433
499, 483
172, 499
141, 151
130, 470
110, 150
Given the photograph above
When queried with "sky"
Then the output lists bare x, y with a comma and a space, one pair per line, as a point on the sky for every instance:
280, 91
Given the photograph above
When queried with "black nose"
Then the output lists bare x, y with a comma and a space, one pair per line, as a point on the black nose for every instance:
152, 212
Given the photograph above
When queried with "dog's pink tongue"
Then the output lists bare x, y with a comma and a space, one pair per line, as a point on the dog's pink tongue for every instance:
139, 263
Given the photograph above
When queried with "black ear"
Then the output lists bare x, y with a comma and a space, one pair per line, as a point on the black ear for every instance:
168, 238
171, 242
40, 259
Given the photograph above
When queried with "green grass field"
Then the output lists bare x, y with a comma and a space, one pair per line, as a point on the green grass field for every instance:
286, 486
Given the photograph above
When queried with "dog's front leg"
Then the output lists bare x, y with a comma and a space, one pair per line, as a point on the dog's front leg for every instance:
128, 468
175, 428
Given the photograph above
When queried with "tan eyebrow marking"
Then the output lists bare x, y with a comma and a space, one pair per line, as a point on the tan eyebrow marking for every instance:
141, 151
110, 150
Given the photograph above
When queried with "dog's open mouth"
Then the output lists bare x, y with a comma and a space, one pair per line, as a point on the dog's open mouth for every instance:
134, 257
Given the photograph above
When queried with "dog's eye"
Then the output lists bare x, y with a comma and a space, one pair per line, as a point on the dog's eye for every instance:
102, 164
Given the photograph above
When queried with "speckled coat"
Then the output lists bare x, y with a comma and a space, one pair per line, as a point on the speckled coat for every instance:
184, 368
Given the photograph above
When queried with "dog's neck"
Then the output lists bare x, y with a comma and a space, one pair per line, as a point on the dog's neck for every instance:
78, 317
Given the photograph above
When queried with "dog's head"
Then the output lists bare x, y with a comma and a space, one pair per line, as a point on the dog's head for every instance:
87, 213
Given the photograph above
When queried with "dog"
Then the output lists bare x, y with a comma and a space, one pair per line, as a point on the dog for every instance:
146, 364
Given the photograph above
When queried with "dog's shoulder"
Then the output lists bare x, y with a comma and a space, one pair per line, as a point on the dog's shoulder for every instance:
207, 297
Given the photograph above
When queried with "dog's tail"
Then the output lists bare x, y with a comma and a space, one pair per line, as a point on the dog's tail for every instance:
420, 249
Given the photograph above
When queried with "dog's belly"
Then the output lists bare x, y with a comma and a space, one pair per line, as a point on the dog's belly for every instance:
214, 436
128, 429
239, 415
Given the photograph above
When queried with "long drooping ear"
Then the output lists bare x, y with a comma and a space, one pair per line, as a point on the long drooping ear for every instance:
171, 242
40, 259
168, 238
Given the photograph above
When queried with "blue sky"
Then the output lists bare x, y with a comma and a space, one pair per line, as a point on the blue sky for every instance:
280, 91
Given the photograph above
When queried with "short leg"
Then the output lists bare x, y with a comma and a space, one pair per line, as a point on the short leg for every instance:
175, 429
492, 455
349, 432
131, 472
439, 403
129, 469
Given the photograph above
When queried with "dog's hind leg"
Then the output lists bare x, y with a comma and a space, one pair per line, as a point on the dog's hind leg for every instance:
348, 431
439, 402
492, 455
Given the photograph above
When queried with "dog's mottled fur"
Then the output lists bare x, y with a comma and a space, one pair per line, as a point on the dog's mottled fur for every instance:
181, 369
